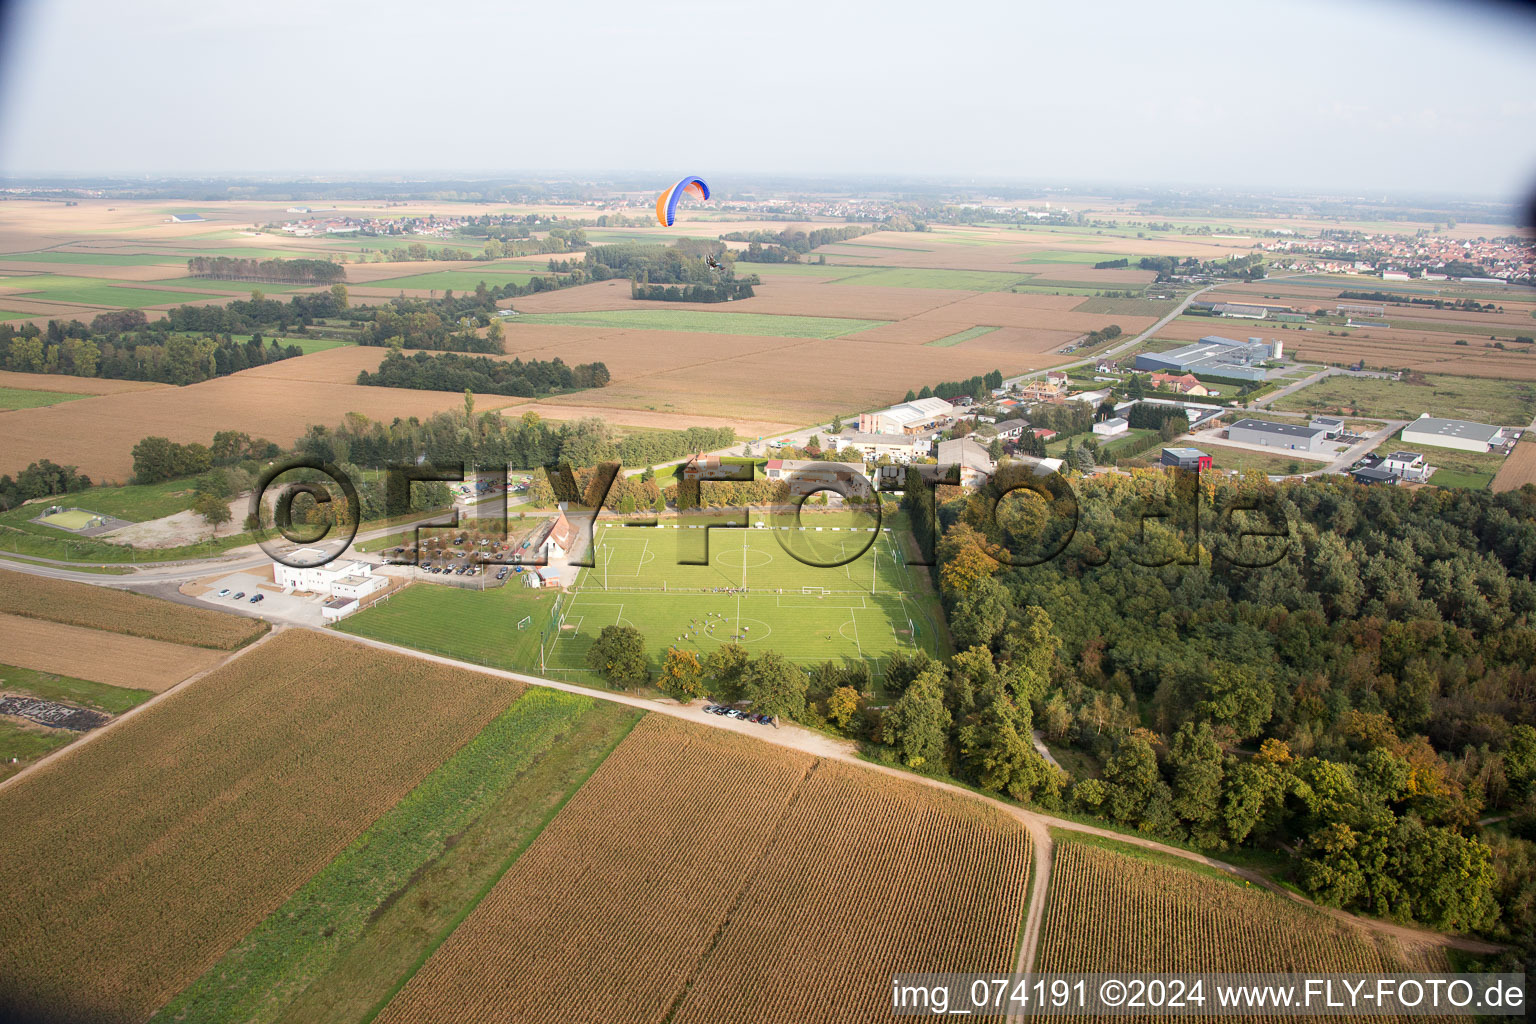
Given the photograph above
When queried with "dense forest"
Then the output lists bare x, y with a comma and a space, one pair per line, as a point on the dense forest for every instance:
157, 355
224, 268
1362, 703
788, 246
452, 372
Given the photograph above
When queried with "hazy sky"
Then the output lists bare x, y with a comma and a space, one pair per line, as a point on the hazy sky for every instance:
1348, 95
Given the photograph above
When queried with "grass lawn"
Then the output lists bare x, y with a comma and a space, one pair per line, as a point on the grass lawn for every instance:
955, 339
92, 291
1469, 481
111, 699
93, 259
765, 325
457, 280
313, 345
27, 744
18, 398
134, 502
356, 930
1503, 402
921, 277
856, 611
1241, 459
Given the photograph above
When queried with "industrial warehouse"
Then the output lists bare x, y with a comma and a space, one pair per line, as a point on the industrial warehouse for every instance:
1217, 357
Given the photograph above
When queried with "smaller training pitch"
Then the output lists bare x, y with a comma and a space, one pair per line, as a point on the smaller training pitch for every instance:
72, 519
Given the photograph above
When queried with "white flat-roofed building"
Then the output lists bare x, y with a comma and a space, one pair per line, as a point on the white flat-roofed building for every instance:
1334, 425
1407, 465
344, 579
1460, 434
895, 446
1112, 427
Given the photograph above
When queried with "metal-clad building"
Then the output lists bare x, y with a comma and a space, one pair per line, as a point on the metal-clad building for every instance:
1278, 435
1462, 434
1215, 356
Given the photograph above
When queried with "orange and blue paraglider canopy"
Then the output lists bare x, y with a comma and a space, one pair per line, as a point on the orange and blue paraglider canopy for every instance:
666, 203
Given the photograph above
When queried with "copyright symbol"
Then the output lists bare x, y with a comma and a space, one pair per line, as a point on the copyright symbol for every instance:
340, 511
1112, 993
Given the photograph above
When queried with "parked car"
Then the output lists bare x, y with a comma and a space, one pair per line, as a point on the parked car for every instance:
239, 594
224, 592
258, 597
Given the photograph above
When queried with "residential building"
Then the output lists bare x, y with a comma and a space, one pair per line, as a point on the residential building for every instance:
1278, 435
333, 579
1186, 458
1112, 427
1010, 430
1370, 475
1460, 434
556, 538
1044, 434
1183, 384
1408, 465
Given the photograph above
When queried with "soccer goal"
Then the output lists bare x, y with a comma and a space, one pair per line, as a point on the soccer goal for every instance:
525, 622
817, 591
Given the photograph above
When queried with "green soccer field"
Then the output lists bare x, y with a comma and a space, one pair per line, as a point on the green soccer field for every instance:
753, 591
70, 519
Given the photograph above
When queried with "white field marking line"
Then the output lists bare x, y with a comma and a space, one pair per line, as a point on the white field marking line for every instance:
855, 621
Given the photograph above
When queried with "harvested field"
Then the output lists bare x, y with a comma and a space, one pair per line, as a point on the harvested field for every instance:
73, 385
1519, 468
708, 322
1503, 402
867, 877
88, 433
1115, 911
110, 658
119, 611
628, 910
218, 802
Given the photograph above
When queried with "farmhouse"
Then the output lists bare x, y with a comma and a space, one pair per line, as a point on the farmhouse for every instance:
1112, 427
347, 580
907, 418
556, 538
1186, 458
1183, 384
1215, 355
1278, 435
1461, 434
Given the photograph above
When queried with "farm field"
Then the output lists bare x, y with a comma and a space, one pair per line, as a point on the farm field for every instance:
73, 385
364, 919
765, 325
1169, 918
955, 339
1519, 468
90, 292
18, 398
105, 657
743, 874
903, 277
220, 800
918, 880
456, 280
1502, 402
117, 611
51, 686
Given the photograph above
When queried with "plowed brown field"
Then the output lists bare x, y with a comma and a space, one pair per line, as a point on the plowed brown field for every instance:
102, 657
120, 611
1519, 468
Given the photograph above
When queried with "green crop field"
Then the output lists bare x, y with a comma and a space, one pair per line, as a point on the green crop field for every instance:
1502, 402
48, 686
1125, 307
91, 291
751, 591
443, 280
922, 277
241, 288
95, 259
966, 335
26, 745
1069, 256
313, 345
17, 398
771, 270
6, 314
766, 325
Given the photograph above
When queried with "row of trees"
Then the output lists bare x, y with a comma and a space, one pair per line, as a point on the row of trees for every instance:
304, 272
157, 458
452, 372
977, 387
75, 350
725, 291
41, 479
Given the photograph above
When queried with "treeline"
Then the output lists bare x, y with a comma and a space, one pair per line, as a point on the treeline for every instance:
1249, 267
1144, 415
419, 324
725, 291
451, 372
42, 479
75, 350
1102, 335
224, 268
686, 262
978, 387
1358, 705
788, 246
1111, 264
491, 440
157, 458
1468, 304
